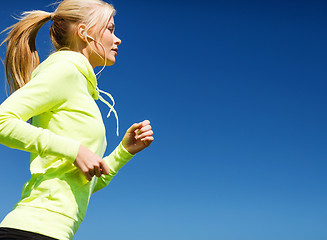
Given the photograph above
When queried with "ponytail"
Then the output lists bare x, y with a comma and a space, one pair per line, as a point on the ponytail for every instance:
21, 56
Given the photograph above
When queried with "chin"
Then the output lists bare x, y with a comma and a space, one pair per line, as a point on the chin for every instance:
110, 62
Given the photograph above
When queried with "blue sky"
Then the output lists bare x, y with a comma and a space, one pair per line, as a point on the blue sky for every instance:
236, 93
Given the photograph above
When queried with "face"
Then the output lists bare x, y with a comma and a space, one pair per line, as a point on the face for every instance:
106, 46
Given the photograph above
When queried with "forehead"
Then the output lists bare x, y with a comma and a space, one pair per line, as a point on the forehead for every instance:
111, 21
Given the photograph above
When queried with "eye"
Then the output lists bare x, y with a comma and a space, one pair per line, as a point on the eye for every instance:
111, 29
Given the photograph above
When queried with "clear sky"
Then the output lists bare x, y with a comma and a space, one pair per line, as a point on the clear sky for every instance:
236, 93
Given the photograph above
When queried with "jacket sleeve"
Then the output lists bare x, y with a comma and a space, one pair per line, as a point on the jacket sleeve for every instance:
115, 161
47, 90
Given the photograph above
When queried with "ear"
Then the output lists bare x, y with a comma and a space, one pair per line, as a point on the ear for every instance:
81, 32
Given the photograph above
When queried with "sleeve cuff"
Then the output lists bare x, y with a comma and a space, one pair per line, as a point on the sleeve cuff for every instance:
126, 153
118, 158
115, 161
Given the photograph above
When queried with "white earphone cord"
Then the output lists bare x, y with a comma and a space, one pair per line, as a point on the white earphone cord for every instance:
108, 94
105, 57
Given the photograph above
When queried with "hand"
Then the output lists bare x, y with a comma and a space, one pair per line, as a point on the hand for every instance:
138, 137
90, 164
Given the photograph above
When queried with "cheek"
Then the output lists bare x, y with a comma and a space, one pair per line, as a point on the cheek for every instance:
109, 42
108, 39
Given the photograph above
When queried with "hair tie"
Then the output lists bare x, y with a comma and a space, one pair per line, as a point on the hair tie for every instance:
52, 16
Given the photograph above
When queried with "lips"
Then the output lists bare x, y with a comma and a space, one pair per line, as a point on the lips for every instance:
115, 50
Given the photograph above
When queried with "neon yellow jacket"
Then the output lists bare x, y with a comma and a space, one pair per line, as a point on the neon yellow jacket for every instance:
60, 98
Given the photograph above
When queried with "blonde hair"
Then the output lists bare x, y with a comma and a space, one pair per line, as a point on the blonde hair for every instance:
22, 57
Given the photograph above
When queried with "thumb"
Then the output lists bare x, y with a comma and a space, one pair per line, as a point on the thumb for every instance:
136, 126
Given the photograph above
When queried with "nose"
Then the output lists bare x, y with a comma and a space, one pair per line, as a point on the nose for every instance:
117, 40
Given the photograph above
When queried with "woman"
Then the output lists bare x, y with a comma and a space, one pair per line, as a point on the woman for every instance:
67, 136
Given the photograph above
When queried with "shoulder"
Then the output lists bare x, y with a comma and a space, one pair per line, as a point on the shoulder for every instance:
56, 73
55, 68
63, 72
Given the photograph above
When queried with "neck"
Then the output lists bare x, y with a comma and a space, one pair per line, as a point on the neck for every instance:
87, 52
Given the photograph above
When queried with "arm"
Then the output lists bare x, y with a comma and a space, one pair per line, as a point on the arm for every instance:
49, 89
45, 92
138, 137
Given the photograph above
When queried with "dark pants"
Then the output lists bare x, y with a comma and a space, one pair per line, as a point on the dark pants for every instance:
16, 234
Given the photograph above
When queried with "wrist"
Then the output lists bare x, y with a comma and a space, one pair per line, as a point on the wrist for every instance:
127, 149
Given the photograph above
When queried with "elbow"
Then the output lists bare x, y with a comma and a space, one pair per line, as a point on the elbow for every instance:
6, 118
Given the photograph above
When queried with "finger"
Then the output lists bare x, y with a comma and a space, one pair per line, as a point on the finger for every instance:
97, 172
146, 122
144, 129
146, 134
88, 176
105, 168
134, 127
147, 140
91, 172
